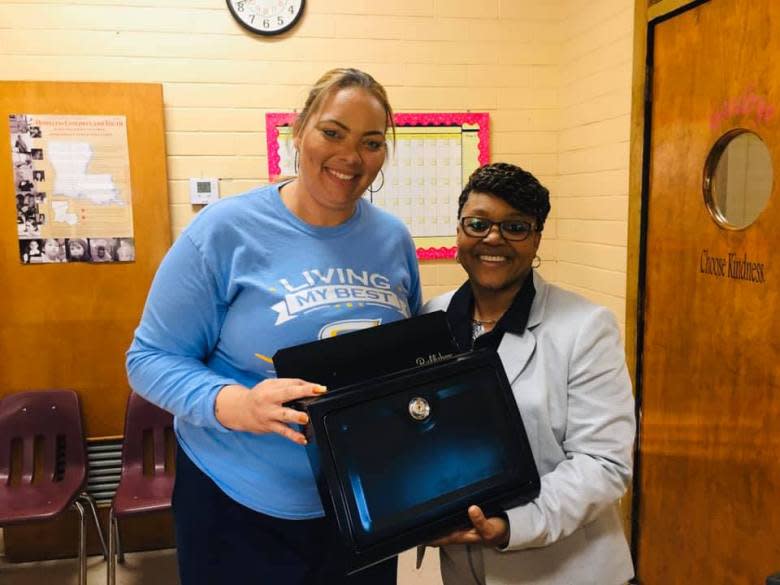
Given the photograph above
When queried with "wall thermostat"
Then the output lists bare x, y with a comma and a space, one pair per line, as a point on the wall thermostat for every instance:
204, 191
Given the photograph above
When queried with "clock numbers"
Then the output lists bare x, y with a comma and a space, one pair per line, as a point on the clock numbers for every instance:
266, 16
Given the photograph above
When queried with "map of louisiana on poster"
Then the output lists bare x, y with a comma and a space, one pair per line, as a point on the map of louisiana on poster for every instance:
72, 188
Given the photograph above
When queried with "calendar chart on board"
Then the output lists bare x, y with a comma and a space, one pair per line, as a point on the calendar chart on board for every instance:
429, 161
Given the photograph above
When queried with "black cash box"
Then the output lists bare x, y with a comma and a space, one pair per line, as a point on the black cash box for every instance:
401, 455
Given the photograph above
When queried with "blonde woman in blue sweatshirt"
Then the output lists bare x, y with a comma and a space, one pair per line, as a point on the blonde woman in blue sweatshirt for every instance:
275, 267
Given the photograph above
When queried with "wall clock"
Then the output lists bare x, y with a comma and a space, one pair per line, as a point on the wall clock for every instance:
266, 17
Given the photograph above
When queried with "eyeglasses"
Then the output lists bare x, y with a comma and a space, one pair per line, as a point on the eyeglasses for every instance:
514, 230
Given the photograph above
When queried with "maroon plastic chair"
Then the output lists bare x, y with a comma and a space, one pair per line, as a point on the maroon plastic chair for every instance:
140, 492
43, 462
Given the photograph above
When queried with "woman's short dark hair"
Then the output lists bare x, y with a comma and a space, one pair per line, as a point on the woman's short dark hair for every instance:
517, 187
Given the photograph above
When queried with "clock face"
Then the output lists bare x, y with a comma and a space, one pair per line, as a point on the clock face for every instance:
266, 17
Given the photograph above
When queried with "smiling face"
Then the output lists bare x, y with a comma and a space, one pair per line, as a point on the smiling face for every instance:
493, 263
342, 148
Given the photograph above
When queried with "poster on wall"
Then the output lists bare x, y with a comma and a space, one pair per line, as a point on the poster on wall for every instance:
427, 165
72, 187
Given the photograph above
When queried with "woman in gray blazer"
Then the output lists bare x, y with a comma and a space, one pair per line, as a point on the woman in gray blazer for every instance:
564, 358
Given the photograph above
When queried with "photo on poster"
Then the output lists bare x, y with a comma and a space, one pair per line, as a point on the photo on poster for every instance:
102, 249
22, 161
18, 123
77, 250
72, 185
30, 251
29, 226
24, 184
25, 201
53, 251
125, 251
20, 143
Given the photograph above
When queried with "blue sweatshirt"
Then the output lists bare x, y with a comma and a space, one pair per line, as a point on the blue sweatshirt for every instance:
245, 279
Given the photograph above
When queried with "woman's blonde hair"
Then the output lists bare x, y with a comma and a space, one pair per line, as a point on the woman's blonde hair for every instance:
342, 78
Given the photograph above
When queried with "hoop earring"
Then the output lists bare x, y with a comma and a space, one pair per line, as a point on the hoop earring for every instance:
295, 161
371, 186
536, 262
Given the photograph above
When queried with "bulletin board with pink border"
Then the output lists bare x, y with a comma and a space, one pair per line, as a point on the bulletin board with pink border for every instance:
425, 171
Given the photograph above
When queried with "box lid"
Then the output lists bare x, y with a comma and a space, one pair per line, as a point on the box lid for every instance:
357, 356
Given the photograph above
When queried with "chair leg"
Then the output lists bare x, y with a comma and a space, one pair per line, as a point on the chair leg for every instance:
120, 552
82, 542
90, 501
112, 538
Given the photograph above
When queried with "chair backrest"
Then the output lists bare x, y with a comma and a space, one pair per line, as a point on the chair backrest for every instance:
47, 422
143, 418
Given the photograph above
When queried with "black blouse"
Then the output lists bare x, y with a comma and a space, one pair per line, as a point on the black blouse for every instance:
515, 320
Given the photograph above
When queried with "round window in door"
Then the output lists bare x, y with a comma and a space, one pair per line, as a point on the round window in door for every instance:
737, 179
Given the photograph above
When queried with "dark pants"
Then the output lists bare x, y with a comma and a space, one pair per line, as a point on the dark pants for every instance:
219, 541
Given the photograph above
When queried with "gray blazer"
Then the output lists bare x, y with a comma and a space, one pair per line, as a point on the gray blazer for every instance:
569, 378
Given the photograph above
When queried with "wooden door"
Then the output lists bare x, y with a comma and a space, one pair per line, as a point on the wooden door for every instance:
68, 325
709, 451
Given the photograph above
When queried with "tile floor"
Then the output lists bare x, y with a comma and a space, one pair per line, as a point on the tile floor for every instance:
159, 568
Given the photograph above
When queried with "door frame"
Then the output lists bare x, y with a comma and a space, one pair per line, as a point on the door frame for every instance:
647, 15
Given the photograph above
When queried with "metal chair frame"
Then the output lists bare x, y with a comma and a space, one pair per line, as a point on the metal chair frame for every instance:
139, 492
